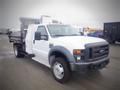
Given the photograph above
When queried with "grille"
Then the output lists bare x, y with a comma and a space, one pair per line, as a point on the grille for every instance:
98, 52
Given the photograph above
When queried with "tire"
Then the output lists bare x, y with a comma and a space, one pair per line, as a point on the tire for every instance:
60, 70
17, 51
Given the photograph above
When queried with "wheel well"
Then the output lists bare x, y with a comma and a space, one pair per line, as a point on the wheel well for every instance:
20, 46
59, 54
17, 44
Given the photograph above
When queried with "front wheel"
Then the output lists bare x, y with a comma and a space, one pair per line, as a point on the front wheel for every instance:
61, 70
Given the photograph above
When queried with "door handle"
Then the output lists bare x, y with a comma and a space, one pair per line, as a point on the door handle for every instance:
34, 41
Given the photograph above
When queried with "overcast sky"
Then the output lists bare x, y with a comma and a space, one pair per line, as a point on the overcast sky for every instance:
91, 13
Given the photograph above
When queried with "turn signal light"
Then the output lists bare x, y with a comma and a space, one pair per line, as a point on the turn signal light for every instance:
76, 52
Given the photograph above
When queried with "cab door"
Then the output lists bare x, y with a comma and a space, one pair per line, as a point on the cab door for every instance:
41, 45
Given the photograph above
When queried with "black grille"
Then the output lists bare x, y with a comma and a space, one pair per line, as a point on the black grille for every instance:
97, 52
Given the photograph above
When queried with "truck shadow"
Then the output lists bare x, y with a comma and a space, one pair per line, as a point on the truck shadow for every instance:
85, 75
76, 77
37, 65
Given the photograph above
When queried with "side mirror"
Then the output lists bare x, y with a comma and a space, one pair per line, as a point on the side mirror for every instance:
37, 35
44, 37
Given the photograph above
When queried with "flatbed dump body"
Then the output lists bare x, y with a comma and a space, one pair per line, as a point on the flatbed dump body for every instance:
14, 37
19, 36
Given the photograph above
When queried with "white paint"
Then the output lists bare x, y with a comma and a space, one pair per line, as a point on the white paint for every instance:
75, 42
29, 38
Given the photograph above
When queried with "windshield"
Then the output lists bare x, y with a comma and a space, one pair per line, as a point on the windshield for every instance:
62, 30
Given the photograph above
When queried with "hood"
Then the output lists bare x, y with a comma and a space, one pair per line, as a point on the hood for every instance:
75, 42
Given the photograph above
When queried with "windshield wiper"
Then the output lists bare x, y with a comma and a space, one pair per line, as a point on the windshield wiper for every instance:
65, 35
58, 35
73, 35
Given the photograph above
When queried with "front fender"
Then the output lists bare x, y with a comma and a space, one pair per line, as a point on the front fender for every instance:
62, 50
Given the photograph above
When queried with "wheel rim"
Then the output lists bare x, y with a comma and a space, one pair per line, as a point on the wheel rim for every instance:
15, 51
58, 70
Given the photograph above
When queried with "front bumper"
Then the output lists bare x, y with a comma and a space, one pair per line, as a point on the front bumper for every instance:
99, 64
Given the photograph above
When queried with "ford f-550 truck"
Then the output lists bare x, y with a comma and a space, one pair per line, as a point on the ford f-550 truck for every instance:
61, 48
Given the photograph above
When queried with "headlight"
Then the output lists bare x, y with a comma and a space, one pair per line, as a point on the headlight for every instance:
77, 58
78, 54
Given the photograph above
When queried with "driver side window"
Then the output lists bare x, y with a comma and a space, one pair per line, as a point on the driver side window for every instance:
41, 33
42, 30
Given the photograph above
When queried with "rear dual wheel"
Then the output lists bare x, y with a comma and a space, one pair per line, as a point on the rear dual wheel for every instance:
18, 51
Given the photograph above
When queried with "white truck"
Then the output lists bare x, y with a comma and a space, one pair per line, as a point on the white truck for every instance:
61, 48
